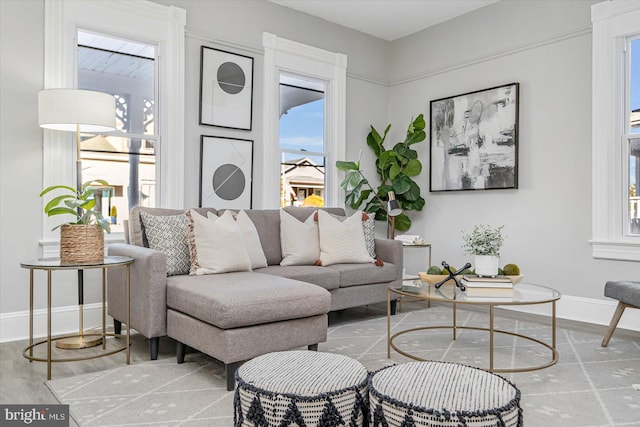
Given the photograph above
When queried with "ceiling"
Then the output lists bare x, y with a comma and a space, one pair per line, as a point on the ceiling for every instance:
386, 19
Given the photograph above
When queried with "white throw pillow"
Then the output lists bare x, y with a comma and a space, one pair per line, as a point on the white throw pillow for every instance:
342, 242
251, 240
298, 240
216, 245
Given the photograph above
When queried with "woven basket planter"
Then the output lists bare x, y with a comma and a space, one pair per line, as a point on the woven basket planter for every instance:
81, 243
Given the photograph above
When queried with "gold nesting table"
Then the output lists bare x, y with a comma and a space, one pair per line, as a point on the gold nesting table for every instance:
54, 264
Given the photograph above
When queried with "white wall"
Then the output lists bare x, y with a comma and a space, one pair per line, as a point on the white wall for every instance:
237, 26
233, 25
546, 47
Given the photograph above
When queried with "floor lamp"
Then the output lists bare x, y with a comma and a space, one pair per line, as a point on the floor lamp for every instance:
393, 210
80, 111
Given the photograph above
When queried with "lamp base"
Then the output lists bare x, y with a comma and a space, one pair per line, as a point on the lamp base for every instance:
79, 342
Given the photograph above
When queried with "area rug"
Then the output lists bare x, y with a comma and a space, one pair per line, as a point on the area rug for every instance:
589, 386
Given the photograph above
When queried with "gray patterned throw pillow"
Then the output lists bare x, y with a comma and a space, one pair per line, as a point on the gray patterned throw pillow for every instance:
369, 228
168, 234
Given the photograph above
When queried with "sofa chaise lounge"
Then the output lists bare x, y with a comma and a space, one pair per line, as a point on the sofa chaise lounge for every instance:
239, 315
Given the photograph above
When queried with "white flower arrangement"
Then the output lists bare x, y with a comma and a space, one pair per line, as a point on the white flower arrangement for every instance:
483, 240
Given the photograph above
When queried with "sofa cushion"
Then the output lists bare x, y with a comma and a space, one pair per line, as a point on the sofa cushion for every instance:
369, 228
342, 241
299, 240
251, 240
364, 274
168, 234
216, 244
238, 299
321, 276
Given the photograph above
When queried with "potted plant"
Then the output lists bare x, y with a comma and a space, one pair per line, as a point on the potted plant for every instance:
81, 240
484, 243
396, 167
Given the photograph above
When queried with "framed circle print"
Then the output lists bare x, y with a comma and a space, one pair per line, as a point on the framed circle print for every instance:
225, 172
226, 89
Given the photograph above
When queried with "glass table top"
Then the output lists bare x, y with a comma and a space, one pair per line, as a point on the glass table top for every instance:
522, 293
56, 264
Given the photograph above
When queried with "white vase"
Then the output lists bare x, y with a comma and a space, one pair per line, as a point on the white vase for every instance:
486, 265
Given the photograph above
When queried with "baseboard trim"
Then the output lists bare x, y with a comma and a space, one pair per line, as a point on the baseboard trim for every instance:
64, 320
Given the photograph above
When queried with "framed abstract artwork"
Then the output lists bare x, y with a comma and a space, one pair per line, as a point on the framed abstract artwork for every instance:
474, 140
226, 89
225, 172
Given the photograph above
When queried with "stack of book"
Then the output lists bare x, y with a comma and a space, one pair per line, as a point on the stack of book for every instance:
493, 287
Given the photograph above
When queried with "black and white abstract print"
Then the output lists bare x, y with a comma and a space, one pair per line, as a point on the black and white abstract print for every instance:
474, 140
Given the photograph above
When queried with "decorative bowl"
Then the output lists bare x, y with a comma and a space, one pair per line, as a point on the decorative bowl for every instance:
432, 279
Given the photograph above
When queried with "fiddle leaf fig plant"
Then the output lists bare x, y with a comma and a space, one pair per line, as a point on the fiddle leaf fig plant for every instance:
396, 168
78, 203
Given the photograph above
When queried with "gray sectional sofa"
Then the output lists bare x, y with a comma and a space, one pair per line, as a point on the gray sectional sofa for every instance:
236, 316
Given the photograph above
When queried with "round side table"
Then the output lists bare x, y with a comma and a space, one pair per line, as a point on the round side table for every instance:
54, 264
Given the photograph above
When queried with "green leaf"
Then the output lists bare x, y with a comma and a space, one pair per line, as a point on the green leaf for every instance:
56, 201
386, 157
402, 184
352, 180
415, 205
413, 193
94, 182
411, 154
402, 223
415, 137
62, 211
352, 199
383, 190
394, 171
55, 187
419, 122
346, 166
413, 168
374, 140
364, 195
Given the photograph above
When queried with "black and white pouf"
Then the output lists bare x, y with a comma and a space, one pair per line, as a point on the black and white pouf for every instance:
442, 394
301, 388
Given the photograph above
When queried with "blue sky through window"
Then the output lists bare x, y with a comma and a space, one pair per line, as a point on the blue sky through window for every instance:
303, 128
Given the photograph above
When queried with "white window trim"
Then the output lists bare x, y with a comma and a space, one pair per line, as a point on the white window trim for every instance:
139, 20
289, 56
612, 22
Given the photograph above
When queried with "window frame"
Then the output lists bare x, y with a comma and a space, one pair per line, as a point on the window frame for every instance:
613, 23
142, 20
282, 55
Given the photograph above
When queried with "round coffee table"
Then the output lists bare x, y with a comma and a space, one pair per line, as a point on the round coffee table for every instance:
523, 294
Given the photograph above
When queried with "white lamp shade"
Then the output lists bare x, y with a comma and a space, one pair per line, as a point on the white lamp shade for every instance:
66, 109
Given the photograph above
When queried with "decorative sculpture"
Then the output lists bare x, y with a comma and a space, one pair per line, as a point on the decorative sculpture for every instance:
453, 276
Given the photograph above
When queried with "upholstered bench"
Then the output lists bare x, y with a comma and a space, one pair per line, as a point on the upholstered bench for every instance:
234, 317
628, 295
442, 394
301, 388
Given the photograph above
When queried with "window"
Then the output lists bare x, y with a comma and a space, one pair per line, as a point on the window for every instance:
124, 158
632, 137
293, 70
74, 34
302, 149
615, 130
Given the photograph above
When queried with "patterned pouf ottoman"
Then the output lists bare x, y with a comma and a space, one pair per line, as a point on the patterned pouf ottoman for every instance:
301, 388
442, 394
